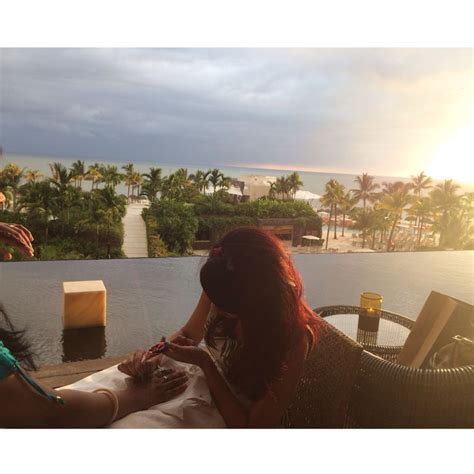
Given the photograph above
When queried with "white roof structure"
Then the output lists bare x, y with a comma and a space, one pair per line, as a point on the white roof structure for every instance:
311, 198
256, 186
257, 179
233, 190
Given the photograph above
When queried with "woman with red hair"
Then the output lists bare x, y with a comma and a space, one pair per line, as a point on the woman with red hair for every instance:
257, 328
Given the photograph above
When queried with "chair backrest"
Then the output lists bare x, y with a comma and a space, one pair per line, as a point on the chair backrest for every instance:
322, 395
389, 395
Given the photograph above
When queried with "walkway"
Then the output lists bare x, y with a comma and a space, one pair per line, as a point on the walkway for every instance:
134, 240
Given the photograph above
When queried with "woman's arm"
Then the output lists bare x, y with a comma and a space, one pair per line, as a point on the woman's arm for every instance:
22, 407
194, 328
266, 412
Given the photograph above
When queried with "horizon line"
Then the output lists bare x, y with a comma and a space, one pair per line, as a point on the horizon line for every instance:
262, 166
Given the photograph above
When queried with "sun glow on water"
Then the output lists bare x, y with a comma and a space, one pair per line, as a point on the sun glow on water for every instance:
455, 157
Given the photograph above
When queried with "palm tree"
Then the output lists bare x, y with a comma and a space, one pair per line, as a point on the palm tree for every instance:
152, 183
391, 187
467, 205
136, 180
330, 200
111, 202
12, 175
217, 179
32, 176
339, 191
446, 201
395, 203
282, 186
366, 189
78, 170
364, 221
172, 187
420, 182
214, 177
200, 181
129, 171
94, 175
66, 194
347, 203
378, 218
294, 183
272, 192
112, 176
40, 199
105, 208
421, 207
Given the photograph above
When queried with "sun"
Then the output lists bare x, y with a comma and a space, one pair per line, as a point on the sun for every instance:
454, 159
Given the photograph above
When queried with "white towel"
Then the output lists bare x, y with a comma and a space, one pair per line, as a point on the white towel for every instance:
194, 408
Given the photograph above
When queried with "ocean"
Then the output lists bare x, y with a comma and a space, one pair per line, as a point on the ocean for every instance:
314, 182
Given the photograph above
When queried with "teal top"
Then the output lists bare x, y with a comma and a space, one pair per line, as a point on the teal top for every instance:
7, 362
8, 365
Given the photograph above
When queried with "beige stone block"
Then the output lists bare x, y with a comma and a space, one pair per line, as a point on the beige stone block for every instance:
84, 304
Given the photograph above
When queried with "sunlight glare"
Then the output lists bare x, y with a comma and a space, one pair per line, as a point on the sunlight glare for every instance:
454, 158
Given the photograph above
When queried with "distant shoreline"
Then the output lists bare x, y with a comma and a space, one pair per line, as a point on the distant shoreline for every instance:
194, 165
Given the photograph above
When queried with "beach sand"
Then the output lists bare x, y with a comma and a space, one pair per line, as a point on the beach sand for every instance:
341, 245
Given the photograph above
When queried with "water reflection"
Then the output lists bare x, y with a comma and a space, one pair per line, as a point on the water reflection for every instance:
83, 344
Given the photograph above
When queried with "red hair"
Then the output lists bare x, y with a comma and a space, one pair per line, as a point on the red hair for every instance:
250, 273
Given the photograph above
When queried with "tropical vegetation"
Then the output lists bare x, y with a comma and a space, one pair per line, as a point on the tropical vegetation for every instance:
440, 216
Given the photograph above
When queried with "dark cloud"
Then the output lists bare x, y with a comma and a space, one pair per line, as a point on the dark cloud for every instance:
344, 109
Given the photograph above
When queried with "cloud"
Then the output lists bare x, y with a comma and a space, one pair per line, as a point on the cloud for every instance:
376, 109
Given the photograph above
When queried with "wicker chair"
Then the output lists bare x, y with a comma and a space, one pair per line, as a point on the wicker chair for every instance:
322, 396
388, 395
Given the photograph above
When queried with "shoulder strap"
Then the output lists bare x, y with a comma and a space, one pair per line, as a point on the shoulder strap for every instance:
7, 361
9, 365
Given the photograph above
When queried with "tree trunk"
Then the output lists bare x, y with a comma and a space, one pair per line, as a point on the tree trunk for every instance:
335, 221
363, 238
343, 223
329, 225
420, 229
389, 242
373, 240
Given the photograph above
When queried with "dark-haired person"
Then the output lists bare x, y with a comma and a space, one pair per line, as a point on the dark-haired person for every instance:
24, 402
257, 328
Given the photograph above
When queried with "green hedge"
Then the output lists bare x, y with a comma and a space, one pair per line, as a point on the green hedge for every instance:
175, 223
69, 241
261, 208
156, 246
215, 227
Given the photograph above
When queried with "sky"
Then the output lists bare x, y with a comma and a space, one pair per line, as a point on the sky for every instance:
390, 112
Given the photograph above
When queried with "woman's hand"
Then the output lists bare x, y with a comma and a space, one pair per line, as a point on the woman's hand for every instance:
163, 386
135, 366
189, 354
15, 235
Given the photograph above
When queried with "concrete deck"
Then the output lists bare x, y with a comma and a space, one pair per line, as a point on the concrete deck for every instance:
134, 241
